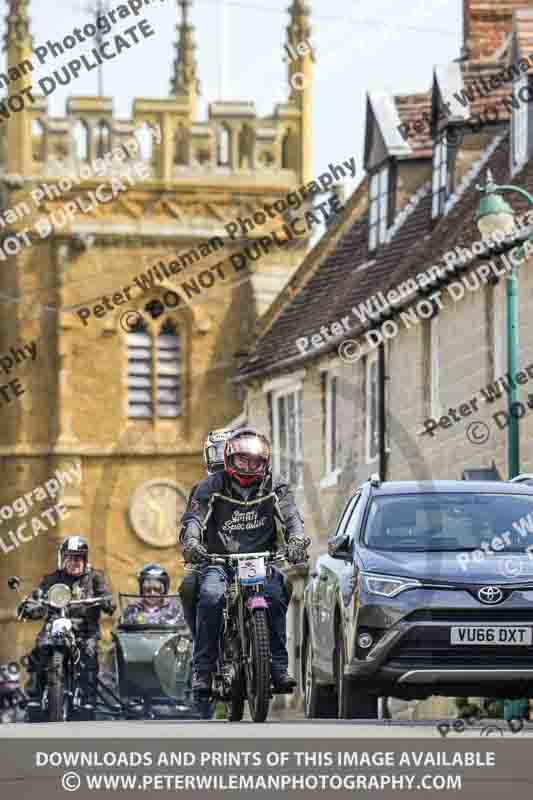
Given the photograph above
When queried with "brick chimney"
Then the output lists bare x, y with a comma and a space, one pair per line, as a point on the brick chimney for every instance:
486, 28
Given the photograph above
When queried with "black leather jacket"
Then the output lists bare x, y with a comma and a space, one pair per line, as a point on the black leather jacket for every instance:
226, 518
92, 584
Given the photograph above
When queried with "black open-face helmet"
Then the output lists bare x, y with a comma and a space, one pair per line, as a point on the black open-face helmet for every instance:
153, 574
73, 546
214, 450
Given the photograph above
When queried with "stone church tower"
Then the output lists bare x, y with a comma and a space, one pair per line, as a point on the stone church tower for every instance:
110, 411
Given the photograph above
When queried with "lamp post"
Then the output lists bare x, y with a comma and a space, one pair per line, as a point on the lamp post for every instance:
494, 215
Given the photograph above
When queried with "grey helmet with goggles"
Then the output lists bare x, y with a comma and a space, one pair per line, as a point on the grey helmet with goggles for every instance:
247, 456
214, 450
152, 576
73, 546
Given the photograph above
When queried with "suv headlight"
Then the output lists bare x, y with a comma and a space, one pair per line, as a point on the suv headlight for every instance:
387, 585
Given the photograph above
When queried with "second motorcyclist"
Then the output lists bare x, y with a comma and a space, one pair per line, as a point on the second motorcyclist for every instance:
74, 570
241, 509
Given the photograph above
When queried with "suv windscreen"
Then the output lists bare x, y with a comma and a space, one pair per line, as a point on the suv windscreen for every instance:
449, 522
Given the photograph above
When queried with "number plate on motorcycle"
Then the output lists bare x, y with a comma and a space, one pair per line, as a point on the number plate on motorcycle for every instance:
496, 634
252, 571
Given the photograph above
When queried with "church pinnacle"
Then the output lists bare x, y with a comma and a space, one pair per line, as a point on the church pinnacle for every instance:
184, 80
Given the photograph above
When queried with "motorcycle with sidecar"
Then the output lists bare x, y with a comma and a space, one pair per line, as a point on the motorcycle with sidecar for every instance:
148, 671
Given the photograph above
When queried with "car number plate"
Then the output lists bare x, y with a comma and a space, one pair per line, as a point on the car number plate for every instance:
493, 634
252, 571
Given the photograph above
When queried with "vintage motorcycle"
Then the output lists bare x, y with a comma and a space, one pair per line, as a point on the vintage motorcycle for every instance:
62, 697
12, 696
243, 666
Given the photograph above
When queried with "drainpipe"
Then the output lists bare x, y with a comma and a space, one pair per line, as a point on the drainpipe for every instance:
512, 366
382, 419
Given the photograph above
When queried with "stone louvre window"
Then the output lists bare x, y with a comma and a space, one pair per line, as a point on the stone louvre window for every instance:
154, 372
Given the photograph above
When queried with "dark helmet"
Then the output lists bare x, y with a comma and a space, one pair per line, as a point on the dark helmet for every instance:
75, 546
214, 450
153, 572
247, 456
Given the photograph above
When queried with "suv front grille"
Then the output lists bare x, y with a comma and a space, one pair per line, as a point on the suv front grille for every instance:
481, 615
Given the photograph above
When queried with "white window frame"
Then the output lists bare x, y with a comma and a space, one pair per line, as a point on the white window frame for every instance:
378, 207
439, 186
332, 465
370, 367
519, 124
434, 367
295, 389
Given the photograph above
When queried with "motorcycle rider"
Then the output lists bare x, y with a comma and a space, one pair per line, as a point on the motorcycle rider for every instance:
241, 509
214, 462
154, 608
84, 582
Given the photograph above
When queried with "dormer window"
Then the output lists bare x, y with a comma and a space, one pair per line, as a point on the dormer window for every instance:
519, 122
440, 176
379, 207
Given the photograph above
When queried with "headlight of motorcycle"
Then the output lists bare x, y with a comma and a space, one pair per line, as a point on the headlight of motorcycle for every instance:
183, 645
59, 595
12, 670
387, 585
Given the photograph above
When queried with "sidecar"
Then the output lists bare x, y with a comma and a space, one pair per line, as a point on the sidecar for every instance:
150, 665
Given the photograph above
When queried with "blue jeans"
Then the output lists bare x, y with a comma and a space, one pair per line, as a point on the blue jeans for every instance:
213, 583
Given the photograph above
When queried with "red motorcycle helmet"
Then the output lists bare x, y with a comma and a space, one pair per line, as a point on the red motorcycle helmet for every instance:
247, 456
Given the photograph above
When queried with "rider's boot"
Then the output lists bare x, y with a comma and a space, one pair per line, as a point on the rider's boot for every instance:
282, 681
201, 683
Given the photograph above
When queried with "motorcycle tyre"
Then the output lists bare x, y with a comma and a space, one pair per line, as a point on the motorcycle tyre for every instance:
57, 700
258, 677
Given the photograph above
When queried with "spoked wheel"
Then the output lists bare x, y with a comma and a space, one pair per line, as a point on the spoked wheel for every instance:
57, 696
258, 669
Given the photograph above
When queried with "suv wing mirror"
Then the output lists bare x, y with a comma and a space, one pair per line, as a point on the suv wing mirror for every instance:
341, 549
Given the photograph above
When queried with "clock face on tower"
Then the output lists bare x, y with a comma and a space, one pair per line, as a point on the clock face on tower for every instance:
155, 509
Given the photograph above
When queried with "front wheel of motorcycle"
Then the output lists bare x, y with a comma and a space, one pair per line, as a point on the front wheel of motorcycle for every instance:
258, 672
57, 696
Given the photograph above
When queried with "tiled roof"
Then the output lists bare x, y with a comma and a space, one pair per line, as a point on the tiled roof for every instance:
348, 276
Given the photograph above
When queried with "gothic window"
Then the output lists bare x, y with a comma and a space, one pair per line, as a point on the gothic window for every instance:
519, 119
81, 140
146, 145
223, 147
154, 371
103, 139
440, 182
380, 205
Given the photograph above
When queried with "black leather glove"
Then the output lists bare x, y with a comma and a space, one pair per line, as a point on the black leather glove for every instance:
194, 552
297, 550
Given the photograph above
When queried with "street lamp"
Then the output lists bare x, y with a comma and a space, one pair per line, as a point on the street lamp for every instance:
493, 216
